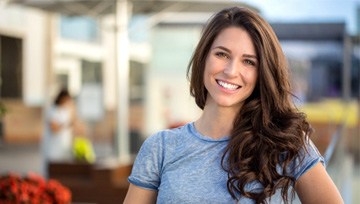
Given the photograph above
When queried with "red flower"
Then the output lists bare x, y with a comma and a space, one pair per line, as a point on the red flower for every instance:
32, 189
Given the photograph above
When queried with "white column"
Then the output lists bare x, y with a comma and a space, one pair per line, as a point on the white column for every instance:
122, 66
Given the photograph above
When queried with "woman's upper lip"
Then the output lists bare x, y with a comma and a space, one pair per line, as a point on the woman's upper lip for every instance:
228, 82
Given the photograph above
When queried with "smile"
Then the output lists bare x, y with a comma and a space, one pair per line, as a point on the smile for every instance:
227, 85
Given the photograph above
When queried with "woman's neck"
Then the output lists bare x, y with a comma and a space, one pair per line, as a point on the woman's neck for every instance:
216, 122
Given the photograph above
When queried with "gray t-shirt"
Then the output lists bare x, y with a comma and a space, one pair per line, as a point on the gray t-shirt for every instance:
185, 167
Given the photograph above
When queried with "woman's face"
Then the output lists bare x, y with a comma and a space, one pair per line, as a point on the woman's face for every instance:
66, 101
231, 69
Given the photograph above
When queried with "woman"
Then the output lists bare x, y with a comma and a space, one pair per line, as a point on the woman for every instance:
250, 145
57, 141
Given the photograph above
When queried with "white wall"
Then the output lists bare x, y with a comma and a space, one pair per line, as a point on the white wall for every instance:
30, 26
168, 101
35, 57
109, 66
168, 98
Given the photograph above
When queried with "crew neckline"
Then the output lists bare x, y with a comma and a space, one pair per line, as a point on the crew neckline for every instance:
204, 137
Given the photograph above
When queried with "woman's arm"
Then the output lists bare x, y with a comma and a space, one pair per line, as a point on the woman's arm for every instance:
316, 186
54, 126
137, 195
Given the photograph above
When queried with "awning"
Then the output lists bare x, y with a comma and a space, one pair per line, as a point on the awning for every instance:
101, 7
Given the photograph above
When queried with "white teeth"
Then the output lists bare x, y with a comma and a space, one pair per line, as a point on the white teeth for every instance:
228, 86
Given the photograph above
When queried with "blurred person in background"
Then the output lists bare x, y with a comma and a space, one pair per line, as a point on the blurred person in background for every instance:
251, 144
58, 130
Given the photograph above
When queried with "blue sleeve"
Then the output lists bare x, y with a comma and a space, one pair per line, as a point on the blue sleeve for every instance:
308, 158
147, 166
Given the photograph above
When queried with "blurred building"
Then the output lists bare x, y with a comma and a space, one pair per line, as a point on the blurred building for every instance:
321, 58
74, 44
24, 58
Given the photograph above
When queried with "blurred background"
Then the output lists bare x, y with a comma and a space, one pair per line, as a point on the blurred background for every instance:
125, 61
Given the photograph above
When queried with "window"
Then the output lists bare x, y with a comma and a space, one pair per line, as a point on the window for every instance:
79, 28
10, 67
91, 72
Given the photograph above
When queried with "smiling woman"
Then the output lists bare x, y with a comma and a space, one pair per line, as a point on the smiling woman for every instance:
250, 145
230, 70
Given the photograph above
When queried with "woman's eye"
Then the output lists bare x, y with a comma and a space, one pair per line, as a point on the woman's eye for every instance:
250, 62
222, 55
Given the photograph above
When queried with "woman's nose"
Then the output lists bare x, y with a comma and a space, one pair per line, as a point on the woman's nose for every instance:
232, 69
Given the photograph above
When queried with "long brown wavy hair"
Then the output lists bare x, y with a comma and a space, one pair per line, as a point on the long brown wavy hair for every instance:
268, 131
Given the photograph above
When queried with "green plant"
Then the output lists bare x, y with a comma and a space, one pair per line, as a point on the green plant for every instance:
3, 109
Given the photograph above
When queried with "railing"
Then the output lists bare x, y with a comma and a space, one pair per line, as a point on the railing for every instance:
340, 163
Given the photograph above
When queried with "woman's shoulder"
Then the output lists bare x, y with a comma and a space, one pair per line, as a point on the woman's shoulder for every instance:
308, 157
161, 145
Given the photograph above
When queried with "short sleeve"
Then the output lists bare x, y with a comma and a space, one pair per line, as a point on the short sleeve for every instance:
147, 166
308, 158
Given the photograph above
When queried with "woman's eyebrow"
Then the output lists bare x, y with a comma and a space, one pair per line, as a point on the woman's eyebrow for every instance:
222, 48
250, 56
229, 51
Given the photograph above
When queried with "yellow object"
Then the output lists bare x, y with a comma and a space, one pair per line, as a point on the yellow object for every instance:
83, 150
334, 111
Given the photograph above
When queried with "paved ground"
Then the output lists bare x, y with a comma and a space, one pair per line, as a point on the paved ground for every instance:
356, 185
26, 158
20, 158
23, 158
